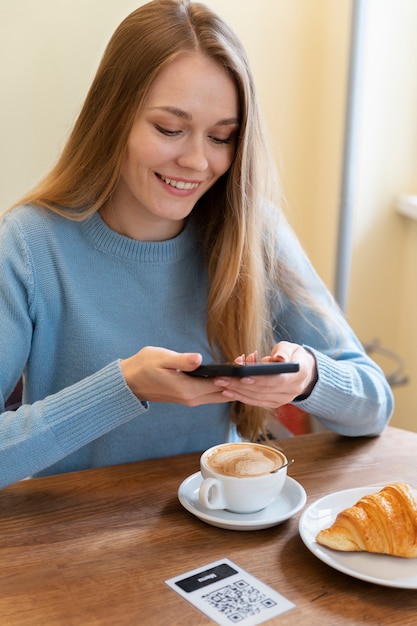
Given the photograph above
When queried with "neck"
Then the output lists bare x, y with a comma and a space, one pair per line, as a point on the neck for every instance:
140, 229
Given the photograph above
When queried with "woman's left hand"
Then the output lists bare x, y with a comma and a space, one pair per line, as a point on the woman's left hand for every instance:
272, 391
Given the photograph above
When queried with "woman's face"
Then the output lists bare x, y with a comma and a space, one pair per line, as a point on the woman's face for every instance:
182, 141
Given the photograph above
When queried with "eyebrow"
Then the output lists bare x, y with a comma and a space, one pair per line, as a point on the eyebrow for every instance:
228, 121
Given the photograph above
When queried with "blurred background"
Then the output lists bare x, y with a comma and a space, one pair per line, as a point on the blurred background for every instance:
300, 52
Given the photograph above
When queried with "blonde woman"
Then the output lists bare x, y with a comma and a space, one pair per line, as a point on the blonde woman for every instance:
156, 243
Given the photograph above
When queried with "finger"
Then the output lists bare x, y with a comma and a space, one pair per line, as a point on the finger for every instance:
188, 361
262, 401
252, 357
197, 396
284, 351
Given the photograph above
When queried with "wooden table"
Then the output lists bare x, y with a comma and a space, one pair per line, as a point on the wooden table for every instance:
95, 547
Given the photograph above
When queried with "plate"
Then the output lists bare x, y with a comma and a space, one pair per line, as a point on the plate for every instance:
381, 569
292, 499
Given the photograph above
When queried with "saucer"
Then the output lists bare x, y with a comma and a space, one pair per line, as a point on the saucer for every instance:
291, 500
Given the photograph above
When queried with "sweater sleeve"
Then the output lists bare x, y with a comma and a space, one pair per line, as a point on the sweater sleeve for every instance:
352, 396
40, 433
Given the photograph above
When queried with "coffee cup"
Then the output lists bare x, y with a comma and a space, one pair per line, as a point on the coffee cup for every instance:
241, 477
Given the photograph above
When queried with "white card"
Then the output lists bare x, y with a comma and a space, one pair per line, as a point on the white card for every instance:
227, 594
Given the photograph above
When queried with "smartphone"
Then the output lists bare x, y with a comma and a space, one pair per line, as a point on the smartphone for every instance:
250, 369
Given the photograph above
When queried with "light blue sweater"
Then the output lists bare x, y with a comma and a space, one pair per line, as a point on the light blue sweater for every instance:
76, 297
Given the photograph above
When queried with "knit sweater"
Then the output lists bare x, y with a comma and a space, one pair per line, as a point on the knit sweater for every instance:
77, 297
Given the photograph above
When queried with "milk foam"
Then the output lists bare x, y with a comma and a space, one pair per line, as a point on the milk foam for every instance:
240, 461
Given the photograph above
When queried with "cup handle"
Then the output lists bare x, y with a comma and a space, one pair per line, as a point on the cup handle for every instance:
210, 494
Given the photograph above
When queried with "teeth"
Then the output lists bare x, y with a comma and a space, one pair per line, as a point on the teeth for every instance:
179, 184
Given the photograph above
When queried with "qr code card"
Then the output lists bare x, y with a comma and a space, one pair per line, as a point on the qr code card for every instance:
227, 594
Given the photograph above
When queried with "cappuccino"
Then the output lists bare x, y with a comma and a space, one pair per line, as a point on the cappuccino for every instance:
241, 477
241, 461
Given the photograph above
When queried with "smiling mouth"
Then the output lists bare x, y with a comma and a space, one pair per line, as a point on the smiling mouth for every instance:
178, 184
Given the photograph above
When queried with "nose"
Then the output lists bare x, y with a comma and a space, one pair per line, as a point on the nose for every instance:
193, 155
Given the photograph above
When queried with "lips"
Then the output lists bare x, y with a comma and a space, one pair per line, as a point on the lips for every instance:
179, 184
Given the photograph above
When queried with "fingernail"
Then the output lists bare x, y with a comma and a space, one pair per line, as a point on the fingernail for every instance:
220, 382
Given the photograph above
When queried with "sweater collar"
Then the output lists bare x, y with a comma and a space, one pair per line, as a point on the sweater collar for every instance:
111, 242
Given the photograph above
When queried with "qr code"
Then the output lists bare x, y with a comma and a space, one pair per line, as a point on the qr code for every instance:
238, 601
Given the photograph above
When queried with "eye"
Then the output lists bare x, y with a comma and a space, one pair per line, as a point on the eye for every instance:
224, 140
166, 132
229, 139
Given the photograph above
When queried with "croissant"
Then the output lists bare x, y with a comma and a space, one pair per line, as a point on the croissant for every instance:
384, 522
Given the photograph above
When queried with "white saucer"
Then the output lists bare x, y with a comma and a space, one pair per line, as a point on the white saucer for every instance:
380, 569
291, 500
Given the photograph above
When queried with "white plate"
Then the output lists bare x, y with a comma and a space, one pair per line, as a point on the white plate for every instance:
381, 569
291, 500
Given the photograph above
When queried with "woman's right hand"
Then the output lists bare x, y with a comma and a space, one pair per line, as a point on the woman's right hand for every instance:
157, 375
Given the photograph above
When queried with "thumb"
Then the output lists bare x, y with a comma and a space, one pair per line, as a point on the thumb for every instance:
189, 361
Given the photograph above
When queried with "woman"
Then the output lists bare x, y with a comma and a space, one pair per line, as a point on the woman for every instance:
153, 245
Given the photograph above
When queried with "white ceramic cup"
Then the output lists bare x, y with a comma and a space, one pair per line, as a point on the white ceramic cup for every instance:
240, 477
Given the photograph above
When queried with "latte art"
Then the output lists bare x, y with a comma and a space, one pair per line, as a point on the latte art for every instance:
240, 461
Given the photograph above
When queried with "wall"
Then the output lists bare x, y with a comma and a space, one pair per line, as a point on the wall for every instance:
49, 51
382, 300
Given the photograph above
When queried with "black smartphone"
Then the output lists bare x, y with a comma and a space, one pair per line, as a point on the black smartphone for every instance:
250, 369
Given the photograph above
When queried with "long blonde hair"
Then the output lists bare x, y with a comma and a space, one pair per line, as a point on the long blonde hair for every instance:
238, 241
